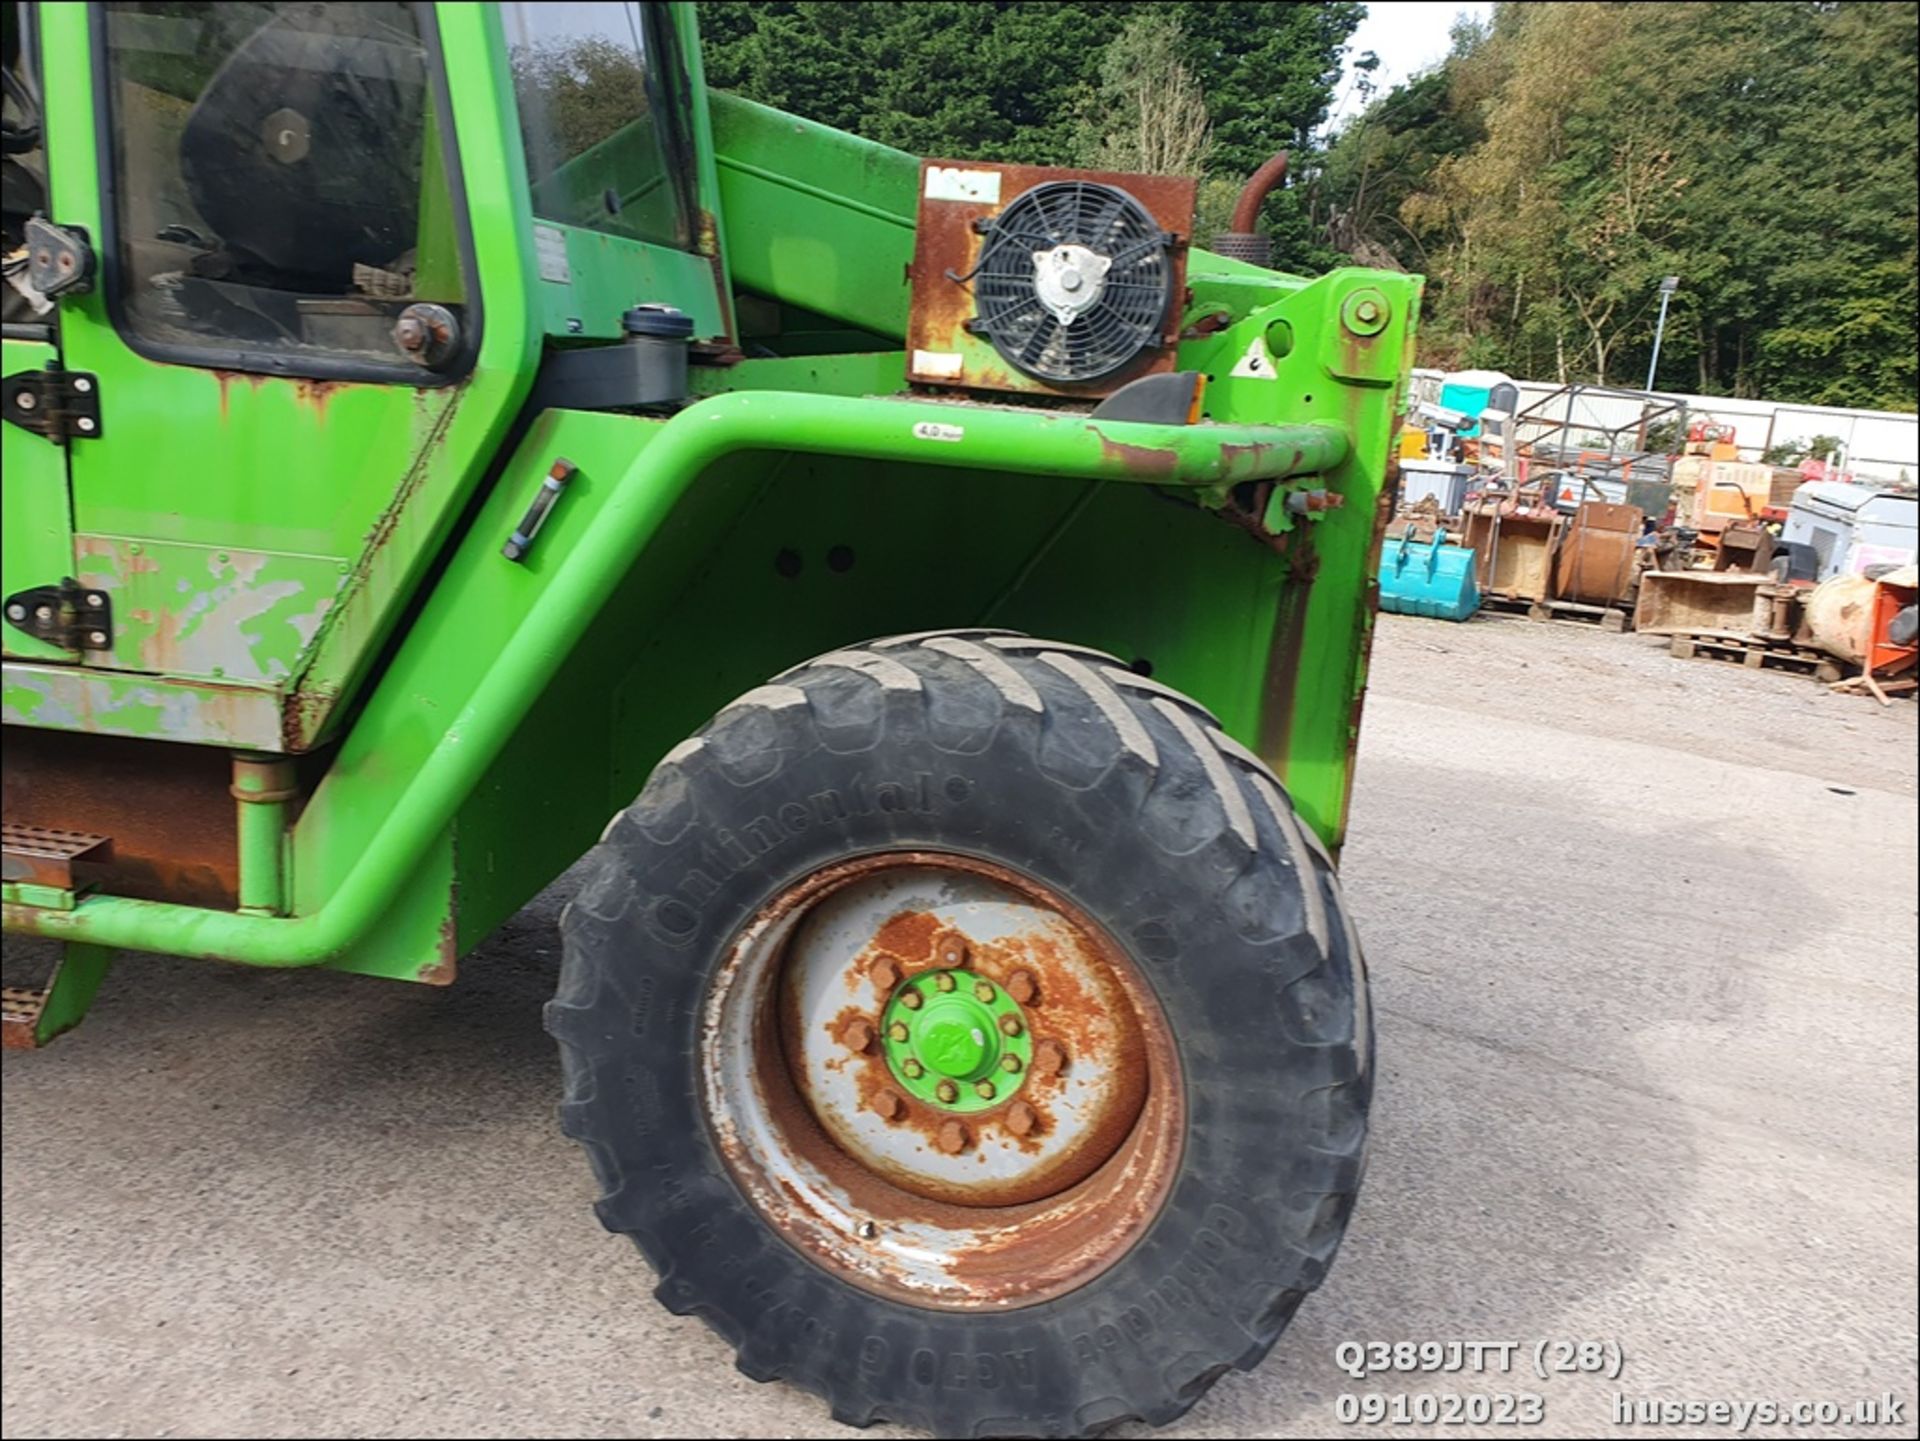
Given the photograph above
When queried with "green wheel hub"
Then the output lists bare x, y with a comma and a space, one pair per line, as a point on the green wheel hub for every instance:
956, 1041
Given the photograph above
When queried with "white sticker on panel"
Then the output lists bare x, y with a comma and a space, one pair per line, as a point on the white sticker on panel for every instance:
950, 182
938, 364
550, 247
1255, 364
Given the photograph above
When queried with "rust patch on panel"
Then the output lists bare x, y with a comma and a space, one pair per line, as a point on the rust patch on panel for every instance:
165, 807
315, 394
226, 380
1148, 461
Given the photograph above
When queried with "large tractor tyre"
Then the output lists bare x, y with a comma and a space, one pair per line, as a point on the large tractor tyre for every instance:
965, 1027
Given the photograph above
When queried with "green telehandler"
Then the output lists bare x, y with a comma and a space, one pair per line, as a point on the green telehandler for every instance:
432, 430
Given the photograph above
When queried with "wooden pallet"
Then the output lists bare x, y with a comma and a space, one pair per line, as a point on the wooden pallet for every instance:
1607, 617
1504, 604
1755, 655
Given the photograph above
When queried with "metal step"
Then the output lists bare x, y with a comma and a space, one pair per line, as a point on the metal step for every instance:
20, 1011
44, 856
30, 1018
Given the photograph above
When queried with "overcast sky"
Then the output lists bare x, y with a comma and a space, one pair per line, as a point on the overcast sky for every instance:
1408, 36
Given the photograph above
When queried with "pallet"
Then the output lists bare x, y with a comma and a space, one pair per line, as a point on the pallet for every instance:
1507, 604
1755, 655
1607, 617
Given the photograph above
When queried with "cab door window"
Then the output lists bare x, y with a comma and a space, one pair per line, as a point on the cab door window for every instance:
277, 182
600, 132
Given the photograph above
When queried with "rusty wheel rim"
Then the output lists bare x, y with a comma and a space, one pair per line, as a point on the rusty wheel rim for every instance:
961, 1196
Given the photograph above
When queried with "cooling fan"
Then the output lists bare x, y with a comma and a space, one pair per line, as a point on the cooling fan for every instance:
1073, 282
1069, 287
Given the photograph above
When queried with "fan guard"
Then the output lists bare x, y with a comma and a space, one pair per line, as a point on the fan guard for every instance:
1073, 281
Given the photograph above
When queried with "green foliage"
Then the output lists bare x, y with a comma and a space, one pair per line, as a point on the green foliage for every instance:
1792, 452
1566, 157
1021, 80
1148, 114
991, 81
1269, 71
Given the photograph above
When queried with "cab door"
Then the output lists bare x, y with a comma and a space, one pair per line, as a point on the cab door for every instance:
295, 388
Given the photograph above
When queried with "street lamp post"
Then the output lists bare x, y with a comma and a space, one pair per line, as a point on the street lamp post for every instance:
1668, 285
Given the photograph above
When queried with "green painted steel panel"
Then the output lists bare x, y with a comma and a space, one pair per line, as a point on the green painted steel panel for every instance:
604, 275
415, 938
882, 373
814, 216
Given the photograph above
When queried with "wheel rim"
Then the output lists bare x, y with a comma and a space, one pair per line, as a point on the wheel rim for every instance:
941, 1081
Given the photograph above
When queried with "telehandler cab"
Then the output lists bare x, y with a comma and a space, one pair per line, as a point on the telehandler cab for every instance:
434, 429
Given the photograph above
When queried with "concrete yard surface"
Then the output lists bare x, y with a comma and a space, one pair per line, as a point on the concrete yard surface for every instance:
1642, 934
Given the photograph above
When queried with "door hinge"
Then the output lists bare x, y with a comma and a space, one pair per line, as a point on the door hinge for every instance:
60, 404
68, 615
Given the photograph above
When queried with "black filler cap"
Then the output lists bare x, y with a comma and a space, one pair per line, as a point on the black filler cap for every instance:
657, 322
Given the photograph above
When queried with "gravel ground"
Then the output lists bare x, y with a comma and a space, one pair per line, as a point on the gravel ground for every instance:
1642, 934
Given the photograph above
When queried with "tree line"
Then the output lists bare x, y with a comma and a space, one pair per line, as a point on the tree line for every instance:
1566, 157
1210, 88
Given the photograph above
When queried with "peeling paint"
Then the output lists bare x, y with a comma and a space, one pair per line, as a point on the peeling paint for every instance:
60, 697
209, 612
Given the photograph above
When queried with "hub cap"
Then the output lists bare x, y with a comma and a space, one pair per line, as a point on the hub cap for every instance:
942, 1081
957, 1041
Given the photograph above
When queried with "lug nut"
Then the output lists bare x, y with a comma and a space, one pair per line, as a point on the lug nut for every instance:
1049, 1058
953, 954
858, 1035
984, 1090
1022, 987
914, 1070
983, 991
1010, 1064
887, 1105
1021, 1118
944, 980
911, 1000
898, 1030
947, 1092
884, 973
953, 1138
1009, 1025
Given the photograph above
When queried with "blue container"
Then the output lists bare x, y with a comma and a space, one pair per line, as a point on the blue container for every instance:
1469, 400
1435, 580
